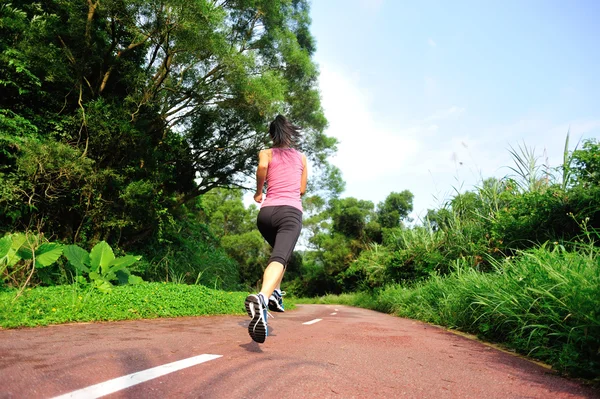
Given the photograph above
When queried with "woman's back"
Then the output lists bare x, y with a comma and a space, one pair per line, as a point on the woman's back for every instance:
284, 178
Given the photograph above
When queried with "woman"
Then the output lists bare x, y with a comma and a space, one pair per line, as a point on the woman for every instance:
279, 219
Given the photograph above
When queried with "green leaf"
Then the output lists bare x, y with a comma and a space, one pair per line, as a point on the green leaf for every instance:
123, 276
101, 256
123, 262
78, 257
135, 279
25, 253
18, 240
95, 277
47, 254
12, 258
110, 276
5, 245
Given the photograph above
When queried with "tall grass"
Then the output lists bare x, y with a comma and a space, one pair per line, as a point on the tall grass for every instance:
544, 303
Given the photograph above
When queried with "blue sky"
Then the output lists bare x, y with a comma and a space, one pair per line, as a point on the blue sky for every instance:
429, 95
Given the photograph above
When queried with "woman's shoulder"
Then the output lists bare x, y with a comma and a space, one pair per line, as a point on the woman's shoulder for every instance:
267, 152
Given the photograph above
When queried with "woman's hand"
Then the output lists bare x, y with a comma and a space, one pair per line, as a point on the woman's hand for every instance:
258, 197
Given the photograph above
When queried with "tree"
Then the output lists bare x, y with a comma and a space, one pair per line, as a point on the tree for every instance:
162, 100
351, 216
394, 209
226, 214
339, 233
234, 225
586, 163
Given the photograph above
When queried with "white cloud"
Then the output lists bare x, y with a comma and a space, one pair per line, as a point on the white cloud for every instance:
376, 158
431, 42
366, 148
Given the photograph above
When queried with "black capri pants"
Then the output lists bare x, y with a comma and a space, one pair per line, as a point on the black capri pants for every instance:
280, 226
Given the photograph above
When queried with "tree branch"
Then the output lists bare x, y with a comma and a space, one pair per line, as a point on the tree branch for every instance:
119, 54
88, 25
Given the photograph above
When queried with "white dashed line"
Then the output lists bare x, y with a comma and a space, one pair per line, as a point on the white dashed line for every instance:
333, 314
335, 310
117, 384
312, 321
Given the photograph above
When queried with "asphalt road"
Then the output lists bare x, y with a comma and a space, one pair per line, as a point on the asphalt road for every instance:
349, 353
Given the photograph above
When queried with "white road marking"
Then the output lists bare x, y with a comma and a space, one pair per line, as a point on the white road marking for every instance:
312, 321
117, 384
334, 313
335, 310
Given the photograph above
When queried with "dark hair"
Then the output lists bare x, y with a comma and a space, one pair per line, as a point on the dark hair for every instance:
283, 133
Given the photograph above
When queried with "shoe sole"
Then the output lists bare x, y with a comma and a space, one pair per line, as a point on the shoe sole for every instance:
249, 307
257, 327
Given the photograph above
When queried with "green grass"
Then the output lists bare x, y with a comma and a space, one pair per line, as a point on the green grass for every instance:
544, 303
64, 304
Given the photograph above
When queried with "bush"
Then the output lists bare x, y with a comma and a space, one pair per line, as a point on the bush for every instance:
313, 281
421, 251
188, 253
535, 217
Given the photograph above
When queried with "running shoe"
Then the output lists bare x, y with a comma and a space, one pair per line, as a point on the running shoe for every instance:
258, 325
276, 301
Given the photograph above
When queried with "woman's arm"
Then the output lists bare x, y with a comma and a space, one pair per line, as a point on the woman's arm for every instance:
261, 174
304, 178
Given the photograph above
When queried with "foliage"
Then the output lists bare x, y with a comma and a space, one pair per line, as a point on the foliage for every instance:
73, 303
234, 226
252, 254
225, 212
22, 255
528, 174
114, 114
495, 220
41, 177
343, 235
312, 280
586, 164
187, 251
536, 217
338, 232
369, 270
394, 209
101, 265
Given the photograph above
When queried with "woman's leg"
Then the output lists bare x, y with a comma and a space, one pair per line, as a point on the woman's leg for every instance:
288, 221
281, 228
271, 278
278, 287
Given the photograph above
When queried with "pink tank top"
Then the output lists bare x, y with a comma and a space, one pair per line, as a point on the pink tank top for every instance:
283, 178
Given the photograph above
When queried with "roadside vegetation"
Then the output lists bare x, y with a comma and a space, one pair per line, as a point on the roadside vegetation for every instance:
72, 303
129, 130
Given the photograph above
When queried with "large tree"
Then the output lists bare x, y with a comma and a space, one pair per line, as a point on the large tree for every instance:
144, 106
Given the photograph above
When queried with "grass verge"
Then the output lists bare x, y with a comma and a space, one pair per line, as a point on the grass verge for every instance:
64, 304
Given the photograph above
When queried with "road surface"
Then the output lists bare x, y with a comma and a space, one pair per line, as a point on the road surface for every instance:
315, 351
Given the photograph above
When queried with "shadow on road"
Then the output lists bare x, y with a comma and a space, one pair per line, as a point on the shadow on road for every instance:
252, 347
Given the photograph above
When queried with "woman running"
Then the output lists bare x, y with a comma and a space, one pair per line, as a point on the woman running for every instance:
279, 219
